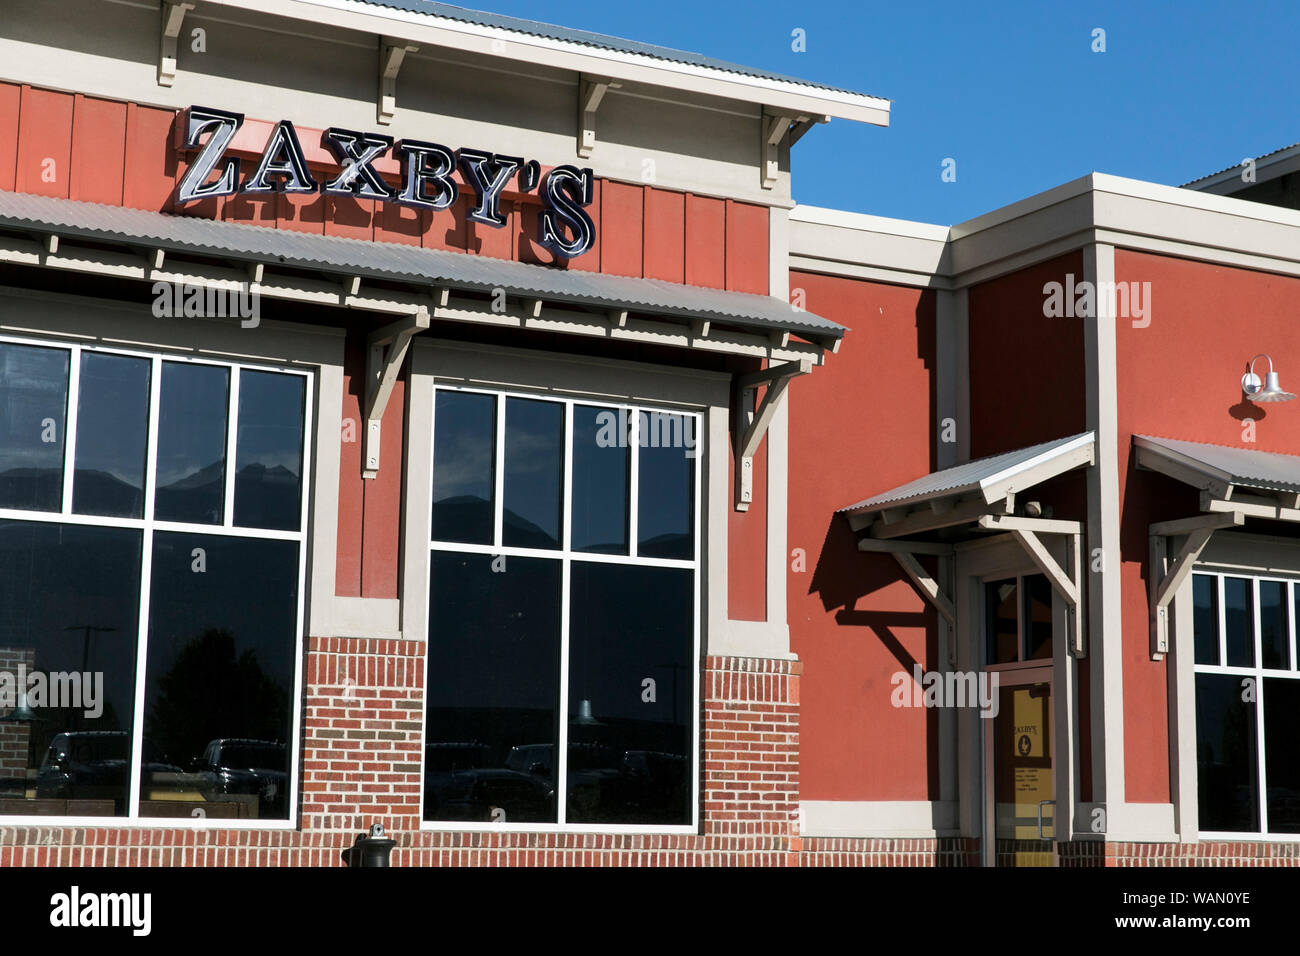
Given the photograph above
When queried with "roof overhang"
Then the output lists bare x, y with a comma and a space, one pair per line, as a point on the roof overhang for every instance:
402, 280
781, 96
979, 492
1269, 166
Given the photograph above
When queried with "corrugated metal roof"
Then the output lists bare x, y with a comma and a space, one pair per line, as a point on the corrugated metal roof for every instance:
1237, 166
972, 476
588, 38
403, 263
1243, 467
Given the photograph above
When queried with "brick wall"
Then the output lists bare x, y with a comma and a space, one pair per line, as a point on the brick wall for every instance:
15, 738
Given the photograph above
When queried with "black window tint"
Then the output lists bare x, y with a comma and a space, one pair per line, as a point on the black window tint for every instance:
1239, 618
112, 435
493, 689
33, 411
601, 470
1274, 627
464, 455
666, 486
1226, 759
1205, 618
1282, 753
68, 606
631, 684
268, 451
1038, 617
191, 477
534, 456
222, 640
1000, 625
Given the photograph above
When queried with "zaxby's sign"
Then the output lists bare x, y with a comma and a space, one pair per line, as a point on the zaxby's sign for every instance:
426, 176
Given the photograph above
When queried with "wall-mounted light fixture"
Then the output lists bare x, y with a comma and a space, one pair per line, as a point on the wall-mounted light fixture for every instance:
1267, 391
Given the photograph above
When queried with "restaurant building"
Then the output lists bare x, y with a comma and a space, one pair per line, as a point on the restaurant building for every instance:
422, 417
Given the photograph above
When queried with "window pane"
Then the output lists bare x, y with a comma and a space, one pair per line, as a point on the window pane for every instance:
1000, 622
1205, 618
268, 451
112, 435
464, 455
631, 683
1226, 761
1274, 628
493, 689
601, 470
33, 408
1239, 616
68, 607
192, 443
1282, 753
666, 486
534, 473
223, 628
1038, 617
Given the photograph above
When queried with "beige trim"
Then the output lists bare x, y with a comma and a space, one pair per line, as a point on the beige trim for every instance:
883, 819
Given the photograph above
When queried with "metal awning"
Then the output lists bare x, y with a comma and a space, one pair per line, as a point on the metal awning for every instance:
1219, 469
980, 494
965, 492
401, 279
1235, 484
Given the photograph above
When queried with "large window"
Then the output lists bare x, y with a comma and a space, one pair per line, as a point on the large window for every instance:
563, 615
1247, 704
152, 515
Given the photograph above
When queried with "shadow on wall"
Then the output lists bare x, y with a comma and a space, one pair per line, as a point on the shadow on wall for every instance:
843, 578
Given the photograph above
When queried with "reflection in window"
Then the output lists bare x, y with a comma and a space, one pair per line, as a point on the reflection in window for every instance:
1205, 618
68, 612
33, 409
219, 676
534, 472
1239, 621
1038, 617
268, 452
493, 689
665, 512
1001, 623
112, 435
1274, 628
464, 452
1282, 753
601, 471
192, 443
629, 698
1226, 764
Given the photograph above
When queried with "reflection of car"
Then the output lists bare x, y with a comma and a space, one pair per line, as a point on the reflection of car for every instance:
489, 796
233, 765
93, 765
656, 784
455, 756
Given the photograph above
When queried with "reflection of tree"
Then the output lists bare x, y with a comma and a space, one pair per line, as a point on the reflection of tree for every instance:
210, 692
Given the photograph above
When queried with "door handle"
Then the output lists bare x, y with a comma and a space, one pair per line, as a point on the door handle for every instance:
1041, 804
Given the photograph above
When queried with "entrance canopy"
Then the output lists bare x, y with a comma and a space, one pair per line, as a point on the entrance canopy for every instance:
979, 496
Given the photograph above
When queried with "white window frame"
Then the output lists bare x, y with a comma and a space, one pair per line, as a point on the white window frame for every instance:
1258, 672
79, 323
573, 380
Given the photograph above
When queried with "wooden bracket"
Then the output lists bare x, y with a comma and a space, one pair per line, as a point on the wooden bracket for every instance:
386, 350
774, 130
173, 15
391, 54
1067, 581
1165, 578
751, 425
591, 90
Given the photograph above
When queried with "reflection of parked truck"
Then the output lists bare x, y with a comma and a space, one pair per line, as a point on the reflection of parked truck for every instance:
234, 766
93, 765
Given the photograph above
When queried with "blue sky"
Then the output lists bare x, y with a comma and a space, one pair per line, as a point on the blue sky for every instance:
1010, 89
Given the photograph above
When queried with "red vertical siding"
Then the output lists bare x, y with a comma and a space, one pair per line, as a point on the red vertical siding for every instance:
44, 138
10, 106
382, 515
622, 212
350, 218
665, 235
706, 237
301, 212
151, 163
98, 150
746, 245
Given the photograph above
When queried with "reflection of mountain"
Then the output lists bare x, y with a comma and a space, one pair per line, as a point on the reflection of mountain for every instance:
98, 492
267, 497
196, 497
518, 531
671, 545
462, 518
27, 487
